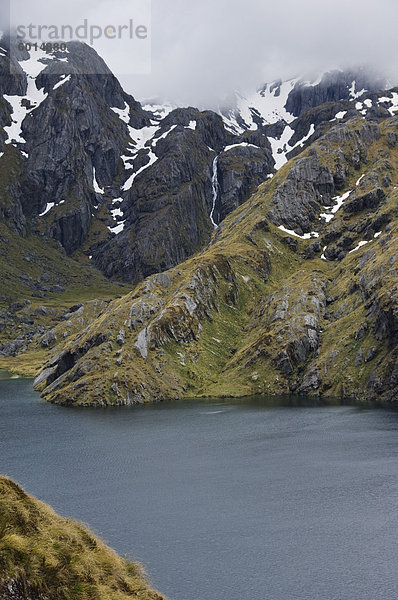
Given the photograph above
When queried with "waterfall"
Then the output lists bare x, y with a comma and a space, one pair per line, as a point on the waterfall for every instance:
214, 183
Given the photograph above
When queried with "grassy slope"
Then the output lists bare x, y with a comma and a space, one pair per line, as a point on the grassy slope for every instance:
23, 263
50, 557
228, 345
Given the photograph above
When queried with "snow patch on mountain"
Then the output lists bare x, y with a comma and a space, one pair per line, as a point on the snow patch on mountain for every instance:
268, 103
281, 147
306, 236
97, 188
63, 80
140, 137
359, 246
360, 179
23, 105
240, 145
330, 213
122, 113
49, 206
117, 228
34, 65
393, 101
116, 212
354, 94
129, 183
164, 135
340, 115
159, 111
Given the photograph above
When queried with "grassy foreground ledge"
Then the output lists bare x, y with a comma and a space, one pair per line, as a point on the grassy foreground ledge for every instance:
46, 557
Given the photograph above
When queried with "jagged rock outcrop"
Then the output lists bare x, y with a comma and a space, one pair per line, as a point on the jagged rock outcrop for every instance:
166, 212
241, 169
297, 201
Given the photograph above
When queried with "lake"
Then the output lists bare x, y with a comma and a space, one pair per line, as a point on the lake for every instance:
248, 500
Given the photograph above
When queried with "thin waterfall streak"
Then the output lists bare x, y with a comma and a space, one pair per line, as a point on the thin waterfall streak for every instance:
214, 183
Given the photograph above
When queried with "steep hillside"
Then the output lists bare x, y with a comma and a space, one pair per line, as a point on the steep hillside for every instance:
74, 184
137, 190
39, 283
296, 293
46, 557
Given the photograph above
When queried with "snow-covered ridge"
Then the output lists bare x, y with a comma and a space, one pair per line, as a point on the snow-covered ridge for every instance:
267, 104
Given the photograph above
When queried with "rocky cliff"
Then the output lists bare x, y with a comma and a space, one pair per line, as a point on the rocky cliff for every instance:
46, 557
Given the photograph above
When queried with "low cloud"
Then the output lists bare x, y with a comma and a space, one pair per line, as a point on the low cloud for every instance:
203, 51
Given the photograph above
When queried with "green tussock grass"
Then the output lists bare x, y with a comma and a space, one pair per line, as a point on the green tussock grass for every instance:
60, 559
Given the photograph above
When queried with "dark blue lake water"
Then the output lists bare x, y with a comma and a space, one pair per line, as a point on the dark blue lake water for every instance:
221, 501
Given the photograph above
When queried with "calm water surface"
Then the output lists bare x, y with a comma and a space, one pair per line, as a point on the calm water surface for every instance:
221, 501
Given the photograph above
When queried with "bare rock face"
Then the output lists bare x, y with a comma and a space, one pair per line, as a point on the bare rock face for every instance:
257, 311
77, 120
166, 211
297, 201
334, 86
66, 185
370, 200
241, 170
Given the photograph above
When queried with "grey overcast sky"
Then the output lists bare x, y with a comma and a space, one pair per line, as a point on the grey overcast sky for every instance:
203, 50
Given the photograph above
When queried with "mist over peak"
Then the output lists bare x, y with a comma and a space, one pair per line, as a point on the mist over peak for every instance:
202, 53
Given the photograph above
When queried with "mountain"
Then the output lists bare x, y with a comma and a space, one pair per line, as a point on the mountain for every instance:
46, 557
257, 243
116, 181
75, 185
295, 293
